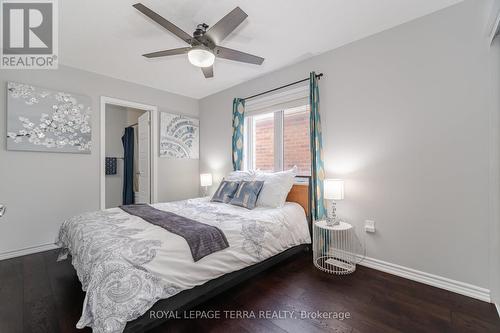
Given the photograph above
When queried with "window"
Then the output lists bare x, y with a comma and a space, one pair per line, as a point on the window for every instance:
296, 140
277, 140
263, 142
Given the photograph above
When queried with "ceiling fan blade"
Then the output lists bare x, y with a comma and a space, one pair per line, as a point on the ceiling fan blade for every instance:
226, 25
164, 22
230, 54
182, 50
208, 71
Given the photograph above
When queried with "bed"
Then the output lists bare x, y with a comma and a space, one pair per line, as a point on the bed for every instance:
128, 266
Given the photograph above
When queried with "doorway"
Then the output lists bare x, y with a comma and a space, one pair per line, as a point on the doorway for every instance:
128, 159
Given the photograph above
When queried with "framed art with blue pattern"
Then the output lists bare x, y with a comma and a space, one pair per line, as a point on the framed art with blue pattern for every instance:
179, 136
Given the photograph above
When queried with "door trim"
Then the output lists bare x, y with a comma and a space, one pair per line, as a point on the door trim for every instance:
154, 144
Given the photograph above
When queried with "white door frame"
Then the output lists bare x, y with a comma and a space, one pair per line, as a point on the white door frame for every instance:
154, 144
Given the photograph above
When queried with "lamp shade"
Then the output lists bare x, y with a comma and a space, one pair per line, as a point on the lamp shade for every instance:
201, 57
206, 179
334, 189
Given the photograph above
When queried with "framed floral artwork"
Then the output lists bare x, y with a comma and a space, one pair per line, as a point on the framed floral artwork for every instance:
40, 119
179, 136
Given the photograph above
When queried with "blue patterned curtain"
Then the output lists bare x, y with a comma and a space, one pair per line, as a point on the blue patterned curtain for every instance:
318, 210
238, 122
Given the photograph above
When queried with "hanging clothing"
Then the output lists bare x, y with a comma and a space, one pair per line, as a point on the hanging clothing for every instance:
128, 166
136, 158
111, 163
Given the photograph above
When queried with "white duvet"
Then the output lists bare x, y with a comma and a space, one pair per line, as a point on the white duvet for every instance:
126, 264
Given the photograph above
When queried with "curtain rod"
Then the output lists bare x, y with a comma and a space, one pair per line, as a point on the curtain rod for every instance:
286, 85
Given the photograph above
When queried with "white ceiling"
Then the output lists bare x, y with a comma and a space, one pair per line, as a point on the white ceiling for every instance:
109, 36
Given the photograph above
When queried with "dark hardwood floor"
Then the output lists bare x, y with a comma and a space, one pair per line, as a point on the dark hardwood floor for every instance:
38, 294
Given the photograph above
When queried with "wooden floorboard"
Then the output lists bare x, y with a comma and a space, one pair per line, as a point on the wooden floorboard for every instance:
11, 295
38, 294
39, 306
67, 292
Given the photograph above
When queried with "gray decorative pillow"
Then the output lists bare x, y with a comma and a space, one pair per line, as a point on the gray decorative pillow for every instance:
225, 191
247, 194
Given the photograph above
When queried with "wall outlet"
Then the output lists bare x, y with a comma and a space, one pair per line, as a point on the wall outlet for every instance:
369, 226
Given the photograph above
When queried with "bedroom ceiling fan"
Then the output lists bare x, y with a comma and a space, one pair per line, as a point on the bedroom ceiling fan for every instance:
204, 43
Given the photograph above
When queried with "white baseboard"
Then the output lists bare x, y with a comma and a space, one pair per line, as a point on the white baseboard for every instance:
26, 251
498, 308
458, 287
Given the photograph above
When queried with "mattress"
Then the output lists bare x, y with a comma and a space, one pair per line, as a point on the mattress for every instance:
126, 264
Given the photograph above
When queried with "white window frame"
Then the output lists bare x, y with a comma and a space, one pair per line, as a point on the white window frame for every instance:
275, 103
249, 132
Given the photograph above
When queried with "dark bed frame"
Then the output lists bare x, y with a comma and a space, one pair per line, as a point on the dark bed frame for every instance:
188, 299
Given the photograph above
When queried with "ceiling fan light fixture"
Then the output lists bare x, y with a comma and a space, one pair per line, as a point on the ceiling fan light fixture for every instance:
204, 43
201, 57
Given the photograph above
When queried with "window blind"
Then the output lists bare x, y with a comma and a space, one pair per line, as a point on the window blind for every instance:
286, 99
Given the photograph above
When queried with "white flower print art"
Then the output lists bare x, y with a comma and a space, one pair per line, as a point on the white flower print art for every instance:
179, 136
39, 119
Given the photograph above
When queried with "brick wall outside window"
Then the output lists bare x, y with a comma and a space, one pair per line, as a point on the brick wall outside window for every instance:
264, 143
295, 141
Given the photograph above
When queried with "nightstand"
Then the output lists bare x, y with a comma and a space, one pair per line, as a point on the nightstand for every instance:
334, 247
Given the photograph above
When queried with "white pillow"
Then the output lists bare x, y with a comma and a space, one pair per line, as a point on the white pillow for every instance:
276, 187
237, 176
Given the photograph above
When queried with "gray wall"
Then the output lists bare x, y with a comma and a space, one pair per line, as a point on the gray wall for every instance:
41, 190
117, 118
495, 171
406, 124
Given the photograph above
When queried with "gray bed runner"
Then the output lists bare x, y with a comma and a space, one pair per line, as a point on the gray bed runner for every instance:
203, 239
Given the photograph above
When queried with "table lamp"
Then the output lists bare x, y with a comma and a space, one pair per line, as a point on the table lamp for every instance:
333, 190
205, 181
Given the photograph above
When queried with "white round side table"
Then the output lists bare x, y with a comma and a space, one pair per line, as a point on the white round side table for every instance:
334, 247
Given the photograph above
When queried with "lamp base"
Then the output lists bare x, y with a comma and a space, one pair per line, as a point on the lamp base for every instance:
332, 218
332, 221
